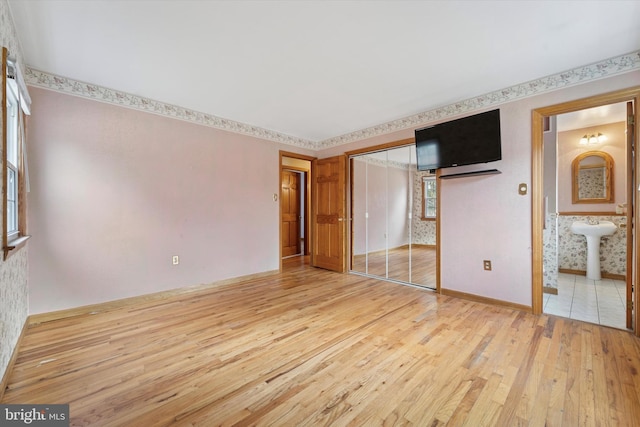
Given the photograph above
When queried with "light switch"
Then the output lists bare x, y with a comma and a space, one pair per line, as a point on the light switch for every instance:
522, 189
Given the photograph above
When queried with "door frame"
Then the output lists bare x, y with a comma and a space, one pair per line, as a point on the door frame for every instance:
538, 116
302, 223
307, 199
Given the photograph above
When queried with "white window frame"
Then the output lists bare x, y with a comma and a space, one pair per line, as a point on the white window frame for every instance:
13, 175
15, 103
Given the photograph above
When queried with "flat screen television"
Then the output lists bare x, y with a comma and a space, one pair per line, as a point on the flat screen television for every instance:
466, 141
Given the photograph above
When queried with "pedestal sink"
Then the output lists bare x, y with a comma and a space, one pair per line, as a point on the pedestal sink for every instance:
593, 232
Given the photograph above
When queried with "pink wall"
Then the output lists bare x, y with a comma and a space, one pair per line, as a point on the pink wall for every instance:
359, 222
386, 202
484, 217
398, 206
376, 205
115, 193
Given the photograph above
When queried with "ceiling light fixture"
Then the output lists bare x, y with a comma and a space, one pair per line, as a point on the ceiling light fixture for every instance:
592, 139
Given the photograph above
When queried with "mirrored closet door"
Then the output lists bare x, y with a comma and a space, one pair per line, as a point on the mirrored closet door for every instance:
393, 224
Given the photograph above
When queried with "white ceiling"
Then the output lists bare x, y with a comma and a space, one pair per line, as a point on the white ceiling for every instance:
318, 69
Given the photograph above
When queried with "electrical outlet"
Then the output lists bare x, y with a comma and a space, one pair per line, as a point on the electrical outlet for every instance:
487, 264
175, 260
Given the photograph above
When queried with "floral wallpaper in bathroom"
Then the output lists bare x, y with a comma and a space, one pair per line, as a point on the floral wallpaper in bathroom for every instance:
550, 251
591, 183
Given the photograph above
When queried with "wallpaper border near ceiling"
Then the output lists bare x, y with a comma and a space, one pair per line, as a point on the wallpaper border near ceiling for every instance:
609, 67
99, 93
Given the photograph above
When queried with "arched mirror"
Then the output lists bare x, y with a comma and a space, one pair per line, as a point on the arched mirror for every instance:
592, 180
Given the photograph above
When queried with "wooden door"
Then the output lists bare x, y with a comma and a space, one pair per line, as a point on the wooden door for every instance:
290, 204
631, 206
328, 217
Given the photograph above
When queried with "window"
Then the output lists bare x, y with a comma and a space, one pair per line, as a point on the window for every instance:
12, 160
15, 104
429, 197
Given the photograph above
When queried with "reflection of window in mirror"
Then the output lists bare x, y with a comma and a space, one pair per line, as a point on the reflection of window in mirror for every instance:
429, 192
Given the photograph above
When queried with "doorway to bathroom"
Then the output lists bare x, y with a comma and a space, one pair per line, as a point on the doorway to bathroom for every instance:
583, 211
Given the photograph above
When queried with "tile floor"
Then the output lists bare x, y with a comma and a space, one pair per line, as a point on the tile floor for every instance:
594, 301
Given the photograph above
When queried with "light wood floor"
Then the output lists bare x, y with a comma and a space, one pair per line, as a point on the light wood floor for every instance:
310, 347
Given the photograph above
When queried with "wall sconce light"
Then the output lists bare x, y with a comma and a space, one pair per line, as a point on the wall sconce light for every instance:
592, 139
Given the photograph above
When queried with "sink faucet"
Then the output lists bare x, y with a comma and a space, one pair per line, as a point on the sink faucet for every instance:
592, 221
